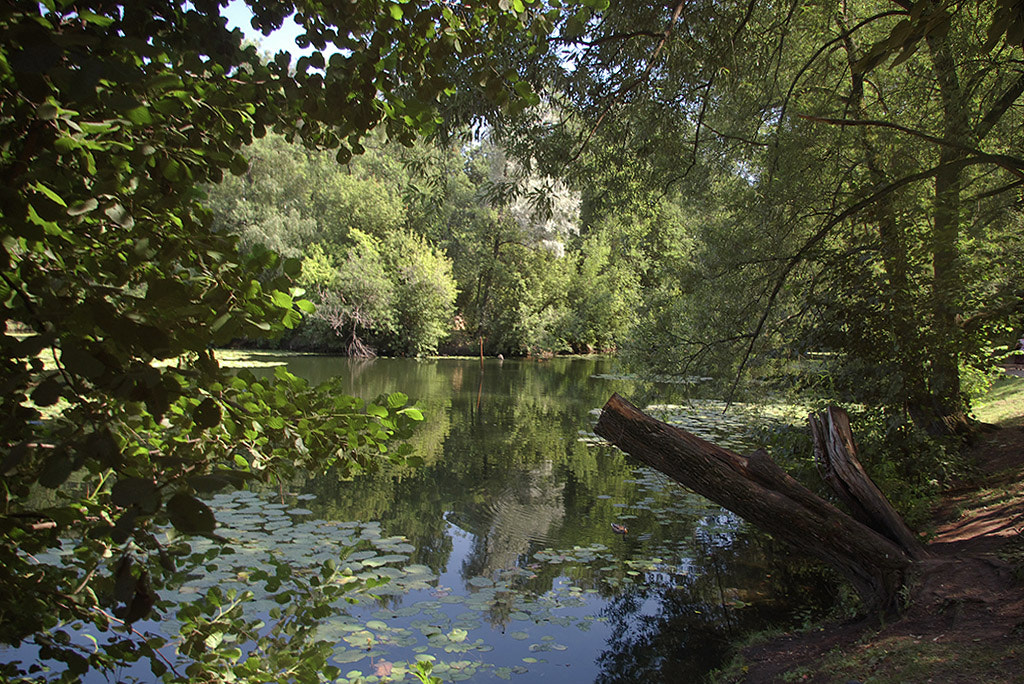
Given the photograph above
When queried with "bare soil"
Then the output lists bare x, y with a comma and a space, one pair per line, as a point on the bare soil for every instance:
965, 621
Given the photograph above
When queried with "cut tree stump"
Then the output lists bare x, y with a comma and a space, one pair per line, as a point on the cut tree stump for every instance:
755, 488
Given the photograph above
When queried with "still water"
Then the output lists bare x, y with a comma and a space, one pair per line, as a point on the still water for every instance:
501, 553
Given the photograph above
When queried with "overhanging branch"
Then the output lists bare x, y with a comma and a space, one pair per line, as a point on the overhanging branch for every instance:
1014, 165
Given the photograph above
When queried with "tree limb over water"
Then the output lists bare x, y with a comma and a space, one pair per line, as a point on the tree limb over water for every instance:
759, 491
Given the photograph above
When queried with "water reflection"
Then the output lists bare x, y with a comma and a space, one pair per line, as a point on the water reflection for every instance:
503, 459
500, 550
513, 512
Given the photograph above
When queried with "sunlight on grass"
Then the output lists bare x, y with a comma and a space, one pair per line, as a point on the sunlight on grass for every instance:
899, 659
244, 358
1004, 403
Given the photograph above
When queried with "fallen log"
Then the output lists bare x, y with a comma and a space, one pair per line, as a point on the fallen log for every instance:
760, 492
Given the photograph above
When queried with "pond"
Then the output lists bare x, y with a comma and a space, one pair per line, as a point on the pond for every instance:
504, 554
501, 551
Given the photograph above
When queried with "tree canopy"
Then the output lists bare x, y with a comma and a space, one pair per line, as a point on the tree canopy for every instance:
847, 173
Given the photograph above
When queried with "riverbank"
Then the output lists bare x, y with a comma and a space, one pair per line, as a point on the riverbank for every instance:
966, 617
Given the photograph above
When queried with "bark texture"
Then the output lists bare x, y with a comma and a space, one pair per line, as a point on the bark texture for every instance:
760, 492
836, 455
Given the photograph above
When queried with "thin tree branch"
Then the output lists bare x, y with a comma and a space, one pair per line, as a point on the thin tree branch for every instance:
643, 77
609, 38
1014, 165
1000, 190
822, 232
1000, 107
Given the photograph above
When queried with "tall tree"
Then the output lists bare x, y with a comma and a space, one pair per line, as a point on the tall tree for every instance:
837, 159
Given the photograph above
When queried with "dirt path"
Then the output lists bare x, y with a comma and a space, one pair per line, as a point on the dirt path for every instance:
966, 620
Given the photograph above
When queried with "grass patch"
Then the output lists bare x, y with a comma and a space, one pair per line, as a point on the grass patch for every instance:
245, 358
900, 659
1004, 403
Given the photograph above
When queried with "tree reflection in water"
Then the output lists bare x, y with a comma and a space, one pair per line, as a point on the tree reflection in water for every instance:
681, 627
507, 473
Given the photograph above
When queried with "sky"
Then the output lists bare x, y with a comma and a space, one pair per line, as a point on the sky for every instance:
239, 16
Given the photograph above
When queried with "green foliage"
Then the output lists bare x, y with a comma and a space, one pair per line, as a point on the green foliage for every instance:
388, 239
909, 465
214, 628
425, 290
269, 204
349, 203
397, 293
906, 463
113, 117
512, 288
354, 298
318, 270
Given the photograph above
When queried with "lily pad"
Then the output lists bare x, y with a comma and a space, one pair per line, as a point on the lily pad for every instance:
348, 655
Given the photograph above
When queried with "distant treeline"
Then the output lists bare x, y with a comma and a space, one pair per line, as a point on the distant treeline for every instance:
413, 251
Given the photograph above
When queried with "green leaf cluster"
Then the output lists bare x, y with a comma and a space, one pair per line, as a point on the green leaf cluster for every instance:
115, 286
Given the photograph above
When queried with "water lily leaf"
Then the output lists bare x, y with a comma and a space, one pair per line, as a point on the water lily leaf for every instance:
362, 555
361, 638
348, 655
392, 558
351, 627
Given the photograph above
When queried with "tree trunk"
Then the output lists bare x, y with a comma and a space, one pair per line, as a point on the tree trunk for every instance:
836, 456
760, 492
903, 325
948, 411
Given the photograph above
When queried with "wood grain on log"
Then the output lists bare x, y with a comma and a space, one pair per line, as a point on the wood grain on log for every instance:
836, 456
